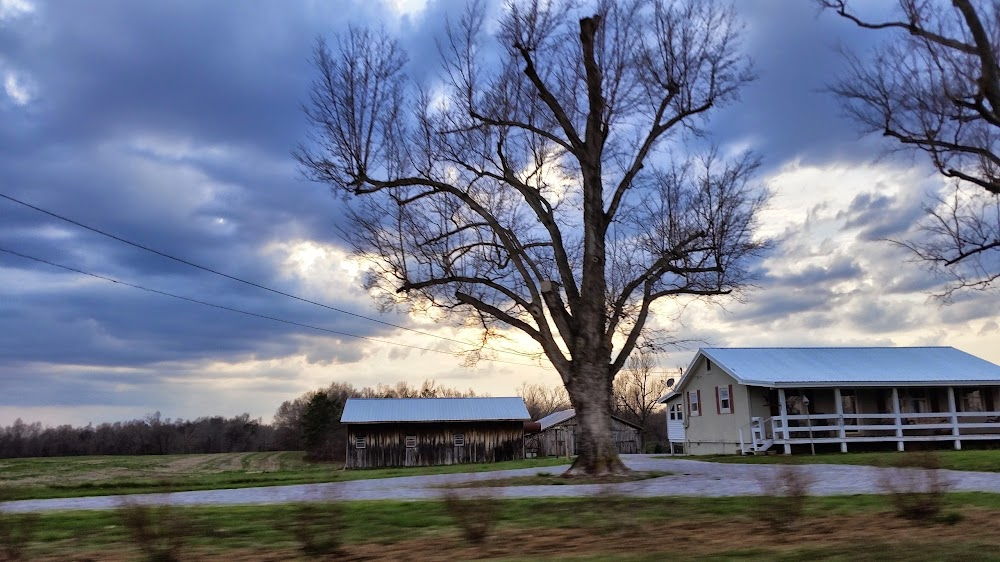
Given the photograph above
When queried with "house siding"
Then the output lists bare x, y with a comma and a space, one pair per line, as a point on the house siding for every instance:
385, 444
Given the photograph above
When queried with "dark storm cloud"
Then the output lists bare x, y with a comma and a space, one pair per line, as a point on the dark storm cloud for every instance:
786, 114
880, 216
170, 125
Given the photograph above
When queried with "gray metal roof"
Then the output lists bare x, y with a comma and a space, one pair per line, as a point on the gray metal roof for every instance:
858, 366
556, 418
387, 410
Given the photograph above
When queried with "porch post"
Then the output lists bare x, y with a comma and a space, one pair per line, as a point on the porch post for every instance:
784, 419
954, 418
899, 419
838, 400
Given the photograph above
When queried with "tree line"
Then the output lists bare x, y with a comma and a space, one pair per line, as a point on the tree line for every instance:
310, 422
151, 435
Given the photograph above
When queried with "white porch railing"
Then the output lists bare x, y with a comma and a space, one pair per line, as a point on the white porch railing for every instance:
757, 436
872, 428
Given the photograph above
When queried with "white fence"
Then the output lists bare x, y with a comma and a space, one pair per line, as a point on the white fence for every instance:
803, 429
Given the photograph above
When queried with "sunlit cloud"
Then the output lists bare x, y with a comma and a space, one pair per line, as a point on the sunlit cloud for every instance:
18, 88
12, 9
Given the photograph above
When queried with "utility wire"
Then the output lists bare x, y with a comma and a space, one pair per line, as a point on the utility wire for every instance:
248, 313
234, 278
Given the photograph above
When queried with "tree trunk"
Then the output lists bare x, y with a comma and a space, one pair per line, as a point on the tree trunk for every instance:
591, 397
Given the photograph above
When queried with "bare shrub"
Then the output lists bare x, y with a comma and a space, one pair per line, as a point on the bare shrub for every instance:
475, 515
786, 490
915, 484
16, 531
159, 531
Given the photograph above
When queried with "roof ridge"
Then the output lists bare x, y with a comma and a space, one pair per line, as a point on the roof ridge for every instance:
836, 347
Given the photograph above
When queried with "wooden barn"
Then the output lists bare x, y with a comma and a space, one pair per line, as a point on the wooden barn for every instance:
389, 432
558, 431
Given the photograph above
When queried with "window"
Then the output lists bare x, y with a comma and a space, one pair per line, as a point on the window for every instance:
694, 403
708, 364
459, 439
359, 442
411, 441
676, 412
972, 401
724, 396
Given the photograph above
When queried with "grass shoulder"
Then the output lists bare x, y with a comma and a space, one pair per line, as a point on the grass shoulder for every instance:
67, 477
979, 460
598, 528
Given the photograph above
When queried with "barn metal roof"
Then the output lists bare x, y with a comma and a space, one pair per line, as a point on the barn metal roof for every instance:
556, 418
388, 410
824, 366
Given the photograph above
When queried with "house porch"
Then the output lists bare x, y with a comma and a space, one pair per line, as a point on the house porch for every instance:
786, 417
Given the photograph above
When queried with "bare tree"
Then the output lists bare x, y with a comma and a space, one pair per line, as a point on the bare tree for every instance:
543, 185
543, 400
935, 88
638, 387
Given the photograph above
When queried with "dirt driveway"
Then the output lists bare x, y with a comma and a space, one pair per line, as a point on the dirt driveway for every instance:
687, 478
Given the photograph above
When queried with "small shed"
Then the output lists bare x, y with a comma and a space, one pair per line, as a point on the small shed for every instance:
558, 430
390, 432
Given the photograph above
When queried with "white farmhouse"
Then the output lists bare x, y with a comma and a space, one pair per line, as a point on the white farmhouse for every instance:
750, 400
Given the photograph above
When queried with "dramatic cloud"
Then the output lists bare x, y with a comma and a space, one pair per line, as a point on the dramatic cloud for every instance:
172, 125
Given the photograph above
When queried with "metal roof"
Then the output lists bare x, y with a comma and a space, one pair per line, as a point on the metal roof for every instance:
859, 366
846, 366
387, 410
556, 418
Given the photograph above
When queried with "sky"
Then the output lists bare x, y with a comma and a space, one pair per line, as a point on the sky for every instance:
172, 124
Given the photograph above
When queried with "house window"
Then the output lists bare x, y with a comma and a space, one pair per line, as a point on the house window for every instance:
359, 442
676, 412
972, 401
725, 402
694, 404
459, 439
708, 364
411, 441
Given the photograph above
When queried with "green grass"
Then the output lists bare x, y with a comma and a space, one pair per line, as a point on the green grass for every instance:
982, 460
65, 477
265, 528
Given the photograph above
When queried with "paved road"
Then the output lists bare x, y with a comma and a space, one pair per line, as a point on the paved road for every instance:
688, 478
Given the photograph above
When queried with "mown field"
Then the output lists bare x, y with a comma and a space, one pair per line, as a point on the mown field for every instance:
601, 528
64, 477
978, 460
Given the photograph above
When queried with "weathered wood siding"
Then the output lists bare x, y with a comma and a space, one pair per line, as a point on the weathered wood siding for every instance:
385, 444
551, 442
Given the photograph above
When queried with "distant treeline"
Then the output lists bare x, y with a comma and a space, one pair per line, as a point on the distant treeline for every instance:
310, 422
149, 436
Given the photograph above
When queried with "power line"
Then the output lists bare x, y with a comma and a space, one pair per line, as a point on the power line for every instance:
248, 313
234, 278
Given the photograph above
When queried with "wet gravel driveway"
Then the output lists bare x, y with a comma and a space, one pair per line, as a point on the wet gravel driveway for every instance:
687, 478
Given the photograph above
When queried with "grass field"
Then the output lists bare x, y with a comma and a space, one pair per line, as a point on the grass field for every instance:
64, 477
983, 460
602, 528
